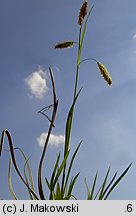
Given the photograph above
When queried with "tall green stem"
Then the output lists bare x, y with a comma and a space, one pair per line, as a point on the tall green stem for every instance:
70, 115
78, 62
71, 111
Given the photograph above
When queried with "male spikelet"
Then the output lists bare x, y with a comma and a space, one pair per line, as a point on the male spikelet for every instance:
83, 12
105, 73
63, 45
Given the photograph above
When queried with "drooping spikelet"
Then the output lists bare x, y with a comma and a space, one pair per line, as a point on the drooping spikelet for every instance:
105, 73
63, 45
83, 12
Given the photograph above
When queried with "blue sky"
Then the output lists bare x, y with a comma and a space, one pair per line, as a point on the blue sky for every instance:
104, 116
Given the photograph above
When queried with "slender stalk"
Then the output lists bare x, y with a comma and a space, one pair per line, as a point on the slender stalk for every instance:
75, 93
78, 61
82, 31
88, 59
55, 105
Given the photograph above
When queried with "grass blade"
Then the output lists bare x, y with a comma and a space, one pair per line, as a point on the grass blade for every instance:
70, 166
6, 132
29, 192
117, 181
68, 132
48, 184
97, 193
72, 183
55, 169
53, 175
88, 191
104, 184
10, 182
61, 168
29, 172
58, 192
112, 180
93, 187
69, 123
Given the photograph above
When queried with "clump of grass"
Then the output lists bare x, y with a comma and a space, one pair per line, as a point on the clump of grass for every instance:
61, 183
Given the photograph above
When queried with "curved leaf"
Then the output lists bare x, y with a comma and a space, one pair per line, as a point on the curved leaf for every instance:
10, 182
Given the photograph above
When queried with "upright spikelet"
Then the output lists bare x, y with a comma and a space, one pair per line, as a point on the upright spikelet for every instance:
63, 45
105, 73
83, 12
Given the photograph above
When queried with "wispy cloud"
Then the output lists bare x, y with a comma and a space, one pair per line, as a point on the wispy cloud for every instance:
134, 36
54, 140
37, 84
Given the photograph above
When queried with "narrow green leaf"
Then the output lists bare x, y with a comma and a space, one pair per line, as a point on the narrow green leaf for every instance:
29, 173
48, 184
70, 166
93, 187
67, 197
29, 192
69, 123
10, 182
61, 168
53, 176
117, 181
72, 183
68, 132
104, 184
74, 197
108, 186
53, 195
58, 192
97, 193
88, 191
55, 169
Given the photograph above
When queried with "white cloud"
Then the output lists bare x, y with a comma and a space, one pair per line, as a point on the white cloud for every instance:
54, 140
36, 82
134, 36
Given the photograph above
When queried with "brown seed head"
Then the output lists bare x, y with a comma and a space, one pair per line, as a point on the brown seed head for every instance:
63, 45
83, 12
104, 72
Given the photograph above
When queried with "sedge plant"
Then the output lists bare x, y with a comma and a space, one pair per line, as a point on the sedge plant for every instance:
61, 183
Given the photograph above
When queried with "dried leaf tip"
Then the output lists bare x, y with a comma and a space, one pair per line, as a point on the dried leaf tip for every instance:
63, 45
83, 12
105, 73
